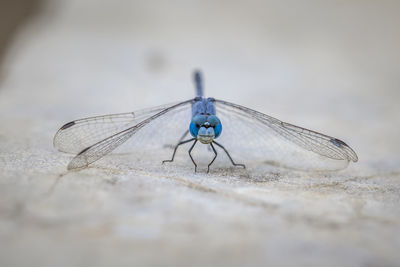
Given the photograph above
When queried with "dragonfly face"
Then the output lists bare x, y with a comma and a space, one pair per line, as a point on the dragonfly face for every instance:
205, 128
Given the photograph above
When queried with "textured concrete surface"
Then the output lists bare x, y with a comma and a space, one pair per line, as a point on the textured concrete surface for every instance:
332, 67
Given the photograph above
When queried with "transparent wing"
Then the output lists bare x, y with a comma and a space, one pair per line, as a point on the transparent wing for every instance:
77, 135
96, 151
263, 138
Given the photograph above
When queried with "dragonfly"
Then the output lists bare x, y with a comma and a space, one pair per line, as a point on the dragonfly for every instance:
240, 131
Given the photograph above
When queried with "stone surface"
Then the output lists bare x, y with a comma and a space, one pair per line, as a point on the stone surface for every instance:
332, 67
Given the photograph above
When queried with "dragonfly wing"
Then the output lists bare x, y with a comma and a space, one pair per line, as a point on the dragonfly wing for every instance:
96, 151
77, 135
273, 141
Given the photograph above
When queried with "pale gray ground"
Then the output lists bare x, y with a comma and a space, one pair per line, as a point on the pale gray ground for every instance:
332, 67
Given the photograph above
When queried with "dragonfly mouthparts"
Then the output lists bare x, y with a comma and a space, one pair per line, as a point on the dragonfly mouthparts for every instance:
205, 139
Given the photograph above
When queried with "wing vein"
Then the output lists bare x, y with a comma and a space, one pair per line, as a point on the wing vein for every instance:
105, 146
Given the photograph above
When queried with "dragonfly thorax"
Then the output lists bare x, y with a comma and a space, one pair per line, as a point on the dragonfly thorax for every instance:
205, 128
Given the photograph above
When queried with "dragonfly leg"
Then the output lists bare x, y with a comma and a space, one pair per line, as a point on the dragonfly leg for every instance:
180, 139
216, 154
183, 136
176, 147
190, 155
229, 156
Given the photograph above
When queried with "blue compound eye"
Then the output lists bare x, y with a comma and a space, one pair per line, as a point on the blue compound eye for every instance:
194, 129
216, 123
196, 123
213, 120
218, 130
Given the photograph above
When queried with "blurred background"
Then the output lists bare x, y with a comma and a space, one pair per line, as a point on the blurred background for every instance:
332, 66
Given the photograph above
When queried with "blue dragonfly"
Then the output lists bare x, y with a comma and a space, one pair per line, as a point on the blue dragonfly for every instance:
254, 136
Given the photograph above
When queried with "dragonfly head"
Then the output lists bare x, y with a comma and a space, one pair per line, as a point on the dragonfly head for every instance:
205, 128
